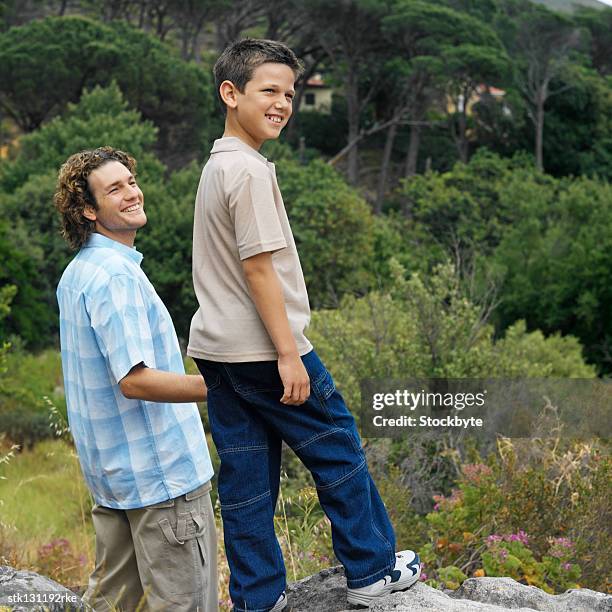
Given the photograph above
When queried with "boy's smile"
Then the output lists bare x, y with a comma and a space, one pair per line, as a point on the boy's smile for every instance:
263, 109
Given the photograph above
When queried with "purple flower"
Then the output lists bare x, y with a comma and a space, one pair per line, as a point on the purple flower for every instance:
423, 576
493, 539
567, 566
521, 537
563, 542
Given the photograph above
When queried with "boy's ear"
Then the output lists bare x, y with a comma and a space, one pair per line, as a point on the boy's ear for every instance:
228, 93
90, 213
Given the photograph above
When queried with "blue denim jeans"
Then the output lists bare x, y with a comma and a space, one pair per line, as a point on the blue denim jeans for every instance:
248, 424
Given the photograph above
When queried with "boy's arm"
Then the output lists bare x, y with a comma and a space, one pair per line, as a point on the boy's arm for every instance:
159, 386
268, 297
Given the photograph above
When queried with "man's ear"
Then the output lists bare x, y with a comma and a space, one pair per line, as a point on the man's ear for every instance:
228, 93
90, 213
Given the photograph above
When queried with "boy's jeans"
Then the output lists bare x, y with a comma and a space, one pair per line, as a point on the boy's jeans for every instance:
248, 424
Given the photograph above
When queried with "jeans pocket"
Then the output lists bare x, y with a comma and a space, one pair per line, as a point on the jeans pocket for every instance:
212, 378
324, 386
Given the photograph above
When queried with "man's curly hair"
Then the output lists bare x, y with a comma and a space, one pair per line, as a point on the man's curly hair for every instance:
72, 193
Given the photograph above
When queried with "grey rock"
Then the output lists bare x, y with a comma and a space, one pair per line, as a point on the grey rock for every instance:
21, 591
511, 595
421, 598
326, 592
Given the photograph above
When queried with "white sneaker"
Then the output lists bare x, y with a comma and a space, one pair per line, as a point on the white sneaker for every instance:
405, 573
281, 603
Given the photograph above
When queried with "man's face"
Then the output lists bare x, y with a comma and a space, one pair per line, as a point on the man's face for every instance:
262, 111
120, 202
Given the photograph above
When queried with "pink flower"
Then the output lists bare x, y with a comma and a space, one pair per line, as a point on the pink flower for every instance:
494, 539
474, 473
423, 577
567, 566
521, 537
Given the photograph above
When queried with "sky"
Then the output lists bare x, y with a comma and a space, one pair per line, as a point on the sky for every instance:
608, 2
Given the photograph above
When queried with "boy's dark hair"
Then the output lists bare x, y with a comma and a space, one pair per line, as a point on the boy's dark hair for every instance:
240, 58
72, 194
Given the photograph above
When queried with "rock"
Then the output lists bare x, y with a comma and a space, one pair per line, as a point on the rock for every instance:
21, 590
326, 592
421, 597
510, 595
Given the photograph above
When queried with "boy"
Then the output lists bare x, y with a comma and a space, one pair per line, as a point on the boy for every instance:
247, 338
145, 461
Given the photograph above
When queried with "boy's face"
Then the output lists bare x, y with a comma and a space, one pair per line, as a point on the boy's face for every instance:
120, 202
263, 109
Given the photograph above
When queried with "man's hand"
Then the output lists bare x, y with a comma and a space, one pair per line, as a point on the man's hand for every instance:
295, 379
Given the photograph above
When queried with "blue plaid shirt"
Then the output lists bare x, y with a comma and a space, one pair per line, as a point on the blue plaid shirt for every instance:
133, 453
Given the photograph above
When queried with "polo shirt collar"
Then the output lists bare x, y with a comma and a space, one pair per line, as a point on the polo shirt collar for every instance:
233, 143
100, 241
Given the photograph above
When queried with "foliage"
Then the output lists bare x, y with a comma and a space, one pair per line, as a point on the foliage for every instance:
45, 64
166, 243
543, 243
430, 328
25, 389
332, 226
551, 488
557, 261
59, 561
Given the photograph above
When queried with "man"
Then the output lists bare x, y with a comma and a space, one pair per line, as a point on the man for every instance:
131, 409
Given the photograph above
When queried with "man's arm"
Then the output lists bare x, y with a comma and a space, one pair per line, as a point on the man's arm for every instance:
268, 297
159, 386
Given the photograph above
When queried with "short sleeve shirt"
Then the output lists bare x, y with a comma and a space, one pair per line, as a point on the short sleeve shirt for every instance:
239, 212
133, 453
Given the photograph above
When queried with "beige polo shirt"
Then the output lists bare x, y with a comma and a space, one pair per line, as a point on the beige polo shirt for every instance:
239, 212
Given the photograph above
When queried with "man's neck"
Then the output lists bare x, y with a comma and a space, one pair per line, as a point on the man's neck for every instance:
125, 238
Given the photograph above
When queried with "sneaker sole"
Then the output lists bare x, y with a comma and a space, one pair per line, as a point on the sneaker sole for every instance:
279, 606
400, 585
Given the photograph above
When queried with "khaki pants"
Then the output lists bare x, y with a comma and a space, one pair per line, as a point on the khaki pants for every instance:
161, 557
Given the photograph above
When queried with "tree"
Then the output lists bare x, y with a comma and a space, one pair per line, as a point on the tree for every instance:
544, 44
437, 52
348, 31
332, 225
598, 22
45, 64
470, 67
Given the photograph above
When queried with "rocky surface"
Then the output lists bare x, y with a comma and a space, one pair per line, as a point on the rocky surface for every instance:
21, 590
326, 592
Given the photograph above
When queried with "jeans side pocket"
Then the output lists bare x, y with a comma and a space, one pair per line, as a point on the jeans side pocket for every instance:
324, 386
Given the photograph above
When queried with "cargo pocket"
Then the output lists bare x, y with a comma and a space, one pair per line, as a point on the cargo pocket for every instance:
187, 553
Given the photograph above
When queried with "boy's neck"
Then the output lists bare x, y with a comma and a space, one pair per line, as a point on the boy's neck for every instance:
233, 128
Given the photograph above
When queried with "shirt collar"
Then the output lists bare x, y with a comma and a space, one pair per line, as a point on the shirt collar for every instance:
100, 241
233, 143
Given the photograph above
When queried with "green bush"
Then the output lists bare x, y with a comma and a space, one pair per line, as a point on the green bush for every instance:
432, 328
533, 512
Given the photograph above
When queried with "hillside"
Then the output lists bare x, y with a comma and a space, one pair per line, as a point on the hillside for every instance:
568, 6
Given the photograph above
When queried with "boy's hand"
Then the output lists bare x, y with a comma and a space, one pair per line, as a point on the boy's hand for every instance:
295, 379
